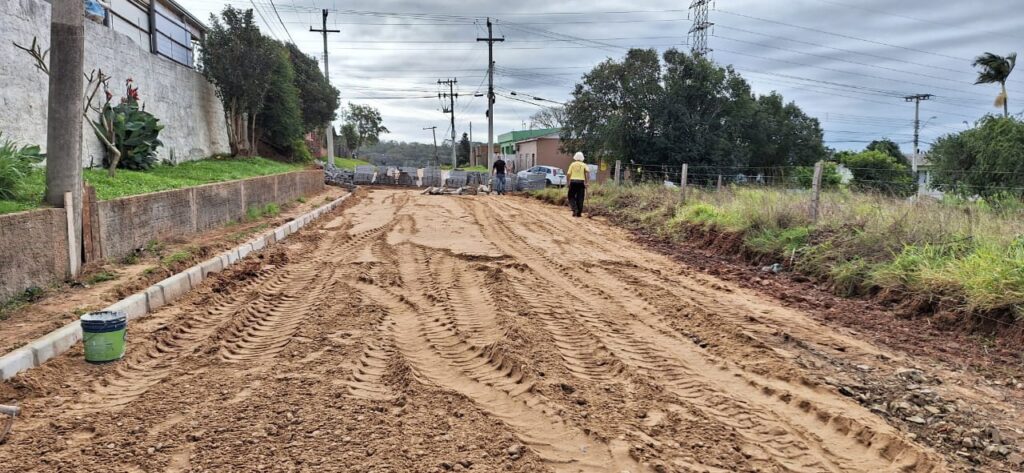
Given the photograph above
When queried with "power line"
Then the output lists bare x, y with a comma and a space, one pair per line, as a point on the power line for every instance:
282, 22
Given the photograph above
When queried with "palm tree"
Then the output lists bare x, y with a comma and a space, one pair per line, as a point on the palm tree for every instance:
996, 68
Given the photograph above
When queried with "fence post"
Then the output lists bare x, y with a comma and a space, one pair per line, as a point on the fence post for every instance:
73, 263
816, 191
682, 185
618, 172
719, 188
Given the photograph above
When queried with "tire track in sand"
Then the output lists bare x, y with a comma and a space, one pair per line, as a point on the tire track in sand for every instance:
438, 357
794, 434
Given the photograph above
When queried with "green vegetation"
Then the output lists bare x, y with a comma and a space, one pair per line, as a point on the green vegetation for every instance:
131, 132
996, 69
678, 108
182, 255
15, 167
30, 295
987, 160
255, 213
349, 163
160, 178
961, 256
878, 171
101, 276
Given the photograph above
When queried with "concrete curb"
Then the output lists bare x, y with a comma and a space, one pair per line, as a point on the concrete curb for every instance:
164, 292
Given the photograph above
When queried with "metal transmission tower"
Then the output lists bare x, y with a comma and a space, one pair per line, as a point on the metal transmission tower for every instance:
917, 126
699, 30
490, 39
450, 109
433, 132
329, 128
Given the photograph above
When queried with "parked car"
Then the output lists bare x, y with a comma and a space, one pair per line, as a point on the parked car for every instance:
554, 176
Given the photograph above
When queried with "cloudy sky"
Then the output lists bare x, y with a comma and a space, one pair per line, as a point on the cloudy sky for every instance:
847, 62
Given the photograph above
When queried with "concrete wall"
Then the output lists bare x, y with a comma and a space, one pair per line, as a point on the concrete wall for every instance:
185, 103
33, 244
33, 250
541, 152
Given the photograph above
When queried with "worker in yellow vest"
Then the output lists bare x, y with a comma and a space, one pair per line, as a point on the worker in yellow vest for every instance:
577, 184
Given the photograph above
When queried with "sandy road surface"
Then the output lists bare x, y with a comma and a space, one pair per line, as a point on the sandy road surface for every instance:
430, 333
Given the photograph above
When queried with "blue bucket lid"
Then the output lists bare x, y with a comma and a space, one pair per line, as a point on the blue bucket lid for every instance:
104, 316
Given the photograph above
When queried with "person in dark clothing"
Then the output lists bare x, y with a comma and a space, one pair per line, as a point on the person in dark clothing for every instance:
499, 176
578, 177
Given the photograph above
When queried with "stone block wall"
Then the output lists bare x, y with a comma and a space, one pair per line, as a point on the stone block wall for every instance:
181, 98
33, 244
33, 250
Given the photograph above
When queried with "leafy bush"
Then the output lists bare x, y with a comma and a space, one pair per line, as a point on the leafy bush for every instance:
987, 160
830, 178
880, 172
132, 130
15, 166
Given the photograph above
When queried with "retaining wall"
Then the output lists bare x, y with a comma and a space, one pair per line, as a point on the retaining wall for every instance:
33, 244
180, 97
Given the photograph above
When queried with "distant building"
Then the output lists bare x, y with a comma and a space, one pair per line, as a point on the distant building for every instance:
523, 149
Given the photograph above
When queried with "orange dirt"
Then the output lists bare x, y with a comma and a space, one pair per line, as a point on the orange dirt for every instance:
412, 333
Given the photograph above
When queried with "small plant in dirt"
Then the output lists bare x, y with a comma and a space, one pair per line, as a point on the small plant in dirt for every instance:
102, 276
177, 257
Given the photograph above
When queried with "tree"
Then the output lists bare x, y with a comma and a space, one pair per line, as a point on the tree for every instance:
280, 119
367, 124
986, 160
462, 151
887, 146
318, 99
996, 69
685, 109
880, 172
349, 138
238, 61
552, 117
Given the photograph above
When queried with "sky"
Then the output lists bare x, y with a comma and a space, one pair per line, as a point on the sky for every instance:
848, 63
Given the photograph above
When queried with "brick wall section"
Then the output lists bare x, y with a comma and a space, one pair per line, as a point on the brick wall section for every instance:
33, 250
33, 245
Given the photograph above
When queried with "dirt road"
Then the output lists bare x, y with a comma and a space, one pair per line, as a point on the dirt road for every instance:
435, 333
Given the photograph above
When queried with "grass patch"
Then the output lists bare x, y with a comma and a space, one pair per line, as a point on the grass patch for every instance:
102, 276
28, 296
160, 178
178, 257
969, 255
256, 213
349, 163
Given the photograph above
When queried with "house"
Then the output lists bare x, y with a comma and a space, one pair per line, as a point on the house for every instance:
162, 27
527, 148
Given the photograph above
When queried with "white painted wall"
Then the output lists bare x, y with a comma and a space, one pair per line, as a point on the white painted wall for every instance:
181, 98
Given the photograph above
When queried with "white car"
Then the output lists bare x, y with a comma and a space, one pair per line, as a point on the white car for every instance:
554, 176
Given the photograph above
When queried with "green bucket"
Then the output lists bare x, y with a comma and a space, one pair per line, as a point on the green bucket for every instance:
104, 334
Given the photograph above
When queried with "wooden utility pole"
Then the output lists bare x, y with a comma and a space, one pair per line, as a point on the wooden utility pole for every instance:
490, 91
816, 191
329, 127
451, 110
64, 119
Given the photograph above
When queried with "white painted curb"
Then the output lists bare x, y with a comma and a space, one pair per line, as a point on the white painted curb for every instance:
164, 292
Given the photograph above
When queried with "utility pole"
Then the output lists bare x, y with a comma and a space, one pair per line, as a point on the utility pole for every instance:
451, 96
699, 31
64, 120
433, 132
490, 91
329, 128
917, 126
472, 149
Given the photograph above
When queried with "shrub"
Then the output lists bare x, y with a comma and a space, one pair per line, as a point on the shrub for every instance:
830, 178
131, 129
280, 119
15, 165
986, 160
879, 172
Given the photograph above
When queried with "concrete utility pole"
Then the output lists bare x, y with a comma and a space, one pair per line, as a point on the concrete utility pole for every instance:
450, 95
64, 119
490, 91
329, 128
433, 132
917, 126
